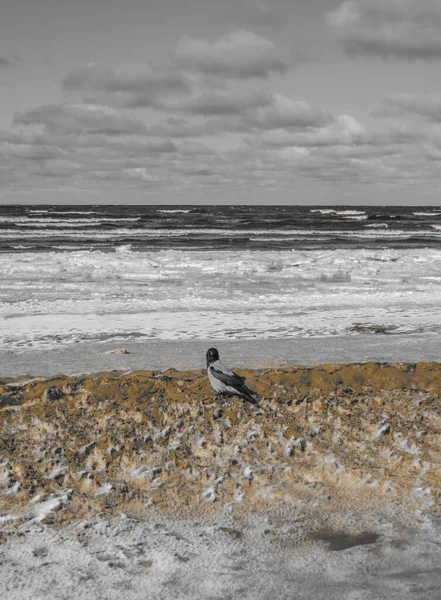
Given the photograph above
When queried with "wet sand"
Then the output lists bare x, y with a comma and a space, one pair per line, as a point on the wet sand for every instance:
190, 354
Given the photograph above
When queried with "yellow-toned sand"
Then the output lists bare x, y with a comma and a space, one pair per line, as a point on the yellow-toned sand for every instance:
327, 439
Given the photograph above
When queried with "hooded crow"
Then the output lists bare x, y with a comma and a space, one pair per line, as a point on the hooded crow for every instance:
224, 381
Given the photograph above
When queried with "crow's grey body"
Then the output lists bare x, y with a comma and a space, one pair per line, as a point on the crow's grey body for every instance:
224, 381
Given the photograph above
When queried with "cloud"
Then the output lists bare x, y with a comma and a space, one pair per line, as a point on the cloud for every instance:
131, 86
140, 173
29, 152
242, 111
241, 54
202, 123
263, 14
177, 127
79, 144
281, 112
198, 69
427, 107
218, 102
343, 130
80, 119
389, 29
432, 153
287, 139
7, 62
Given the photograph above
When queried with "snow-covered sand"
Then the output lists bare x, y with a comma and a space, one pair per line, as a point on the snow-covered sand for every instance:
260, 559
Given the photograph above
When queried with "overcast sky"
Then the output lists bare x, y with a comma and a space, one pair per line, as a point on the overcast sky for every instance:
220, 101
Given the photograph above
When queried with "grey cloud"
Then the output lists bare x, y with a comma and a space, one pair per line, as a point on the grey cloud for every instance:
263, 14
196, 79
221, 103
389, 29
7, 62
201, 171
241, 54
281, 112
89, 155
129, 86
386, 49
236, 111
342, 130
192, 148
432, 153
428, 107
89, 144
80, 119
231, 108
94, 146
59, 169
29, 151
180, 128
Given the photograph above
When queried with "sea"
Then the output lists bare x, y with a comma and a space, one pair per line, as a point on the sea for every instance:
79, 274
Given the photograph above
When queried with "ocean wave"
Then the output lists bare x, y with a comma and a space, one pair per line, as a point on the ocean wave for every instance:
426, 214
194, 233
63, 212
173, 211
31, 221
355, 217
329, 211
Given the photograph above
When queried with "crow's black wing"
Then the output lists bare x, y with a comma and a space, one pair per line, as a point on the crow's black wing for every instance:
234, 381
219, 366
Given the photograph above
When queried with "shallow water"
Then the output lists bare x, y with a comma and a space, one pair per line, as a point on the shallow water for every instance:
49, 300
73, 275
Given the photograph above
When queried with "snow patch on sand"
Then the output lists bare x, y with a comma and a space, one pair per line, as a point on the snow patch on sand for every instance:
251, 559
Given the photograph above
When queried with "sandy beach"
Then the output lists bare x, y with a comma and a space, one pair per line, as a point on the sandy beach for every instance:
330, 451
122, 475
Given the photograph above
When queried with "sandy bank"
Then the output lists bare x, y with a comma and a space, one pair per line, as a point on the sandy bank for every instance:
324, 441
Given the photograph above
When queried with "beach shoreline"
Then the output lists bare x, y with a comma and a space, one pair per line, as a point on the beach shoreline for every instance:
158, 355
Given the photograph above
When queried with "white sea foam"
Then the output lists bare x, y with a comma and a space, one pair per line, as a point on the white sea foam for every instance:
173, 211
426, 214
218, 233
332, 211
32, 221
63, 212
50, 299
